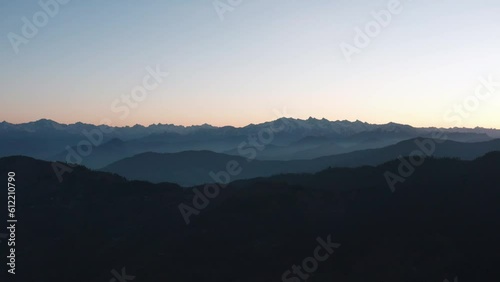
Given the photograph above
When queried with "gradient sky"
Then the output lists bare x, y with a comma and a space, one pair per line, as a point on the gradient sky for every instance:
263, 57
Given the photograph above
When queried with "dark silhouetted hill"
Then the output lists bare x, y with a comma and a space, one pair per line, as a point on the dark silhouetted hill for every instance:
442, 222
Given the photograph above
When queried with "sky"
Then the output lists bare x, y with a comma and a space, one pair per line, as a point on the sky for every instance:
236, 62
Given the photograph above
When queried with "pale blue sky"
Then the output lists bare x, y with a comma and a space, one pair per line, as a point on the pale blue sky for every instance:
263, 56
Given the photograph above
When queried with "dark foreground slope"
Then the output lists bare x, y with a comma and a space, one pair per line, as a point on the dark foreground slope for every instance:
442, 222
197, 167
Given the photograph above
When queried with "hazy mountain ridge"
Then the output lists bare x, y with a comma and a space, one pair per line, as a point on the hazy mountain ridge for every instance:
49, 140
195, 167
322, 126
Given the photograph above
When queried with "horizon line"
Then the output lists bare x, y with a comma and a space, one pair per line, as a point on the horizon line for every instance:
250, 124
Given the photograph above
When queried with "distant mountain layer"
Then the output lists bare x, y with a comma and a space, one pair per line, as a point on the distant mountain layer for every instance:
197, 167
441, 223
282, 139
